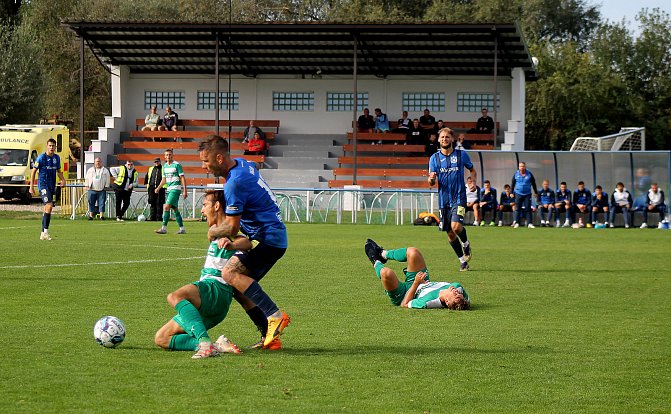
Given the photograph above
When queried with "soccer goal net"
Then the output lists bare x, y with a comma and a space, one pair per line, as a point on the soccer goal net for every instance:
628, 139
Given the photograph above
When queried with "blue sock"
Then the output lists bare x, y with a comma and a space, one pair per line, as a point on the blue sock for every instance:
44, 221
260, 299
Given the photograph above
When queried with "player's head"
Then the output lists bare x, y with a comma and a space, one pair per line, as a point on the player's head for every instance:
598, 189
453, 298
546, 184
486, 184
562, 186
51, 146
581, 185
214, 205
214, 155
619, 186
168, 155
653, 187
506, 188
523, 167
445, 138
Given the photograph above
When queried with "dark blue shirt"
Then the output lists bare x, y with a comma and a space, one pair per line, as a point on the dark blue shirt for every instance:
561, 196
582, 197
489, 198
546, 197
603, 202
248, 196
450, 176
507, 199
47, 167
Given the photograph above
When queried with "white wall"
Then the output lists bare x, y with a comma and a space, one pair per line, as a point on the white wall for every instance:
256, 98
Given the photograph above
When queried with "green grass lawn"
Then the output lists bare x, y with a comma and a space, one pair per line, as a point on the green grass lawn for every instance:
562, 321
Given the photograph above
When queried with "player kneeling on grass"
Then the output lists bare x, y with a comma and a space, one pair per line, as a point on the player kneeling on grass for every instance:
417, 291
204, 304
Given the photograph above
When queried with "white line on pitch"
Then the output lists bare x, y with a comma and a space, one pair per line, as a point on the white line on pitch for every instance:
99, 263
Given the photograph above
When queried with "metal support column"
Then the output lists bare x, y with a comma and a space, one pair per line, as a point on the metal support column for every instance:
355, 102
216, 77
81, 108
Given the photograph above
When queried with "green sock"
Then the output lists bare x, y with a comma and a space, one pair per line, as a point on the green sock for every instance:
378, 269
400, 255
166, 217
178, 217
193, 322
183, 342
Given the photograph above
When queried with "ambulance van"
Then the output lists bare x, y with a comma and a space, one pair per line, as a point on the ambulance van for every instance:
19, 147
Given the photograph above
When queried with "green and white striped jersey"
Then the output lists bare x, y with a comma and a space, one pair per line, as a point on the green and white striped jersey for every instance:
426, 296
171, 173
214, 262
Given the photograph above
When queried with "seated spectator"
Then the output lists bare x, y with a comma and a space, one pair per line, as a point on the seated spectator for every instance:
546, 204
381, 121
427, 121
507, 203
582, 200
432, 145
169, 120
152, 121
256, 145
654, 203
403, 123
251, 130
485, 124
599, 204
366, 123
461, 142
620, 202
563, 205
487, 202
416, 134
439, 125
473, 200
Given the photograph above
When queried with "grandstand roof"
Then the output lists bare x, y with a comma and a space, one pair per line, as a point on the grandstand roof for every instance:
309, 48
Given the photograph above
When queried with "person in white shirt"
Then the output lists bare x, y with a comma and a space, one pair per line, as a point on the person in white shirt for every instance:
473, 200
97, 179
654, 203
620, 202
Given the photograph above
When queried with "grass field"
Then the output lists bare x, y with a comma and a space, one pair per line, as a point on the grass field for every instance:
562, 321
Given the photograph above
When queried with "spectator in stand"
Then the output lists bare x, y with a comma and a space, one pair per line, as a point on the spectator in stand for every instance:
507, 203
170, 120
522, 183
484, 125
599, 205
620, 202
487, 202
381, 121
97, 179
473, 200
427, 121
152, 121
563, 204
416, 134
251, 130
366, 123
654, 203
546, 204
403, 124
582, 200
256, 145
439, 125
432, 145
461, 142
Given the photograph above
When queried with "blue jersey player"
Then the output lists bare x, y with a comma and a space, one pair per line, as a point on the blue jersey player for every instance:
47, 166
446, 167
546, 203
563, 204
599, 204
252, 208
582, 200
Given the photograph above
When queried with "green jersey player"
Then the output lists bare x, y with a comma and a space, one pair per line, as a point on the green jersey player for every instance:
204, 304
175, 185
416, 291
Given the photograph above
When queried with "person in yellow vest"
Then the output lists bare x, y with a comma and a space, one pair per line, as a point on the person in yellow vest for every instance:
125, 179
156, 200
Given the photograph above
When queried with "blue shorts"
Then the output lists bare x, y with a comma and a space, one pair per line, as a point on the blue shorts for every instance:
47, 195
260, 259
455, 213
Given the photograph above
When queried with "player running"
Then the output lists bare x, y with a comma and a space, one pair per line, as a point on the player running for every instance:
252, 208
447, 168
173, 178
48, 164
204, 304
417, 291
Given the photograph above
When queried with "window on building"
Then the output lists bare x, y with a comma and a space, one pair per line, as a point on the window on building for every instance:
206, 100
418, 101
161, 99
474, 102
342, 101
293, 101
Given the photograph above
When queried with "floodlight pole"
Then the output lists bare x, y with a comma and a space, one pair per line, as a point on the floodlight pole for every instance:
216, 76
496, 88
81, 107
354, 110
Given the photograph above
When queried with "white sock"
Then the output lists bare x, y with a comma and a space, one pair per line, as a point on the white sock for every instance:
384, 254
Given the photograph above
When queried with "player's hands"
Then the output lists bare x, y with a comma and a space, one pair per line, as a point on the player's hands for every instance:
432, 178
184, 195
225, 243
420, 278
61, 183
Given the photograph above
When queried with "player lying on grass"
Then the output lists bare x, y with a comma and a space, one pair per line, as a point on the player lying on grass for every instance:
204, 304
417, 291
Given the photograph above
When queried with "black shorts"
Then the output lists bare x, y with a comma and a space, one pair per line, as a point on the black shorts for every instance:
452, 214
47, 195
260, 259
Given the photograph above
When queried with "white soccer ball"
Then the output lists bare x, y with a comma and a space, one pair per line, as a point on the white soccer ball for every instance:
109, 331
141, 217
575, 225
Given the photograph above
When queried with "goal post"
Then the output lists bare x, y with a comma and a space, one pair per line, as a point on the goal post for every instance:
628, 139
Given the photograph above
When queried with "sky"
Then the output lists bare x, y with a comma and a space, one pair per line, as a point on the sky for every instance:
615, 10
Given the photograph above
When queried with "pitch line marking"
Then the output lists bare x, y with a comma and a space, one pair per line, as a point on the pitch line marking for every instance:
100, 263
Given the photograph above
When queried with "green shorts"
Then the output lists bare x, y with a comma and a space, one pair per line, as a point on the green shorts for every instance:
172, 197
396, 296
215, 299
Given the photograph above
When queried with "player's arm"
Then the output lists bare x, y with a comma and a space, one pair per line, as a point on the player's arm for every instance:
533, 183
62, 177
33, 172
228, 228
160, 185
182, 179
432, 172
474, 175
410, 294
